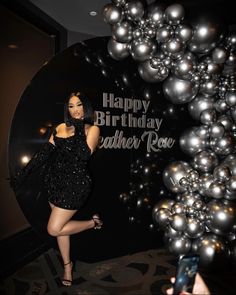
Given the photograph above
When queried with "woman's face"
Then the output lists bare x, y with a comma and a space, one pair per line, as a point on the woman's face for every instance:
75, 108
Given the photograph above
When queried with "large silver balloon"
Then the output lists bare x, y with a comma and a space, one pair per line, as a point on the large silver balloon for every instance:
174, 14
164, 33
190, 142
224, 145
221, 216
112, 14
199, 104
173, 173
184, 66
179, 245
179, 91
178, 208
194, 228
221, 173
210, 87
216, 190
142, 49
161, 217
173, 48
122, 32
216, 130
207, 117
226, 121
184, 32
117, 50
134, 10
209, 247
219, 55
230, 98
178, 221
206, 35
155, 14
205, 161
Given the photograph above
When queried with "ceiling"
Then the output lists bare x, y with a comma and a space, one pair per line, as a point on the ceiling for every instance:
74, 14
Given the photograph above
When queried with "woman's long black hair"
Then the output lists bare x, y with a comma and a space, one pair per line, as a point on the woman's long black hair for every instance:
87, 106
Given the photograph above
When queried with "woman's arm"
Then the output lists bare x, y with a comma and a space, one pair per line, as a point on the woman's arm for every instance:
93, 137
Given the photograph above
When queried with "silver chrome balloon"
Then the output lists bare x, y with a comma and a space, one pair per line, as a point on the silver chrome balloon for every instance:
117, 50
142, 49
134, 10
178, 221
199, 104
179, 91
219, 55
122, 32
112, 14
173, 173
184, 66
205, 161
194, 228
216, 130
184, 32
174, 14
190, 142
179, 245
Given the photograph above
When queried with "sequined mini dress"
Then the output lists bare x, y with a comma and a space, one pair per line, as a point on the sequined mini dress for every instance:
68, 180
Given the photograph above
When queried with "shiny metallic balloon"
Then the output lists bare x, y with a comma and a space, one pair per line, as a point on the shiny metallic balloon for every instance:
216, 130
173, 173
164, 203
221, 216
190, 142
170, 233
202, 131
221, 105
216, 190
142, 49
134, 10
207, 117
219, 55
205, 180
184, 32
205, 161
231, 184
161, 217
210, 87
173, 48
174, 14
179, 245
209, 247
164, 33
222, 173
189, 198
112, 14
152, 74
206, 35
184, 66
122, 32
178, 221
117, 50
231, 40
224, 145
155, 14
226, 121
179, 91
178, 208
199, 104
230, 98
194, 228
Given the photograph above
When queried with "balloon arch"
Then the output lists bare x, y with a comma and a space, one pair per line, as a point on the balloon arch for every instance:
196, 63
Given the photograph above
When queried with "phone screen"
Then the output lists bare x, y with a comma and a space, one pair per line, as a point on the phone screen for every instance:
186, 272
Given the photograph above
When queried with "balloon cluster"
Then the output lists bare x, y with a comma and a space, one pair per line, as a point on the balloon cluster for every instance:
196, 62
144, 186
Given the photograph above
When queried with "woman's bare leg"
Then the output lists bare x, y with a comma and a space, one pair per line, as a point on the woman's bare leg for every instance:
61, 226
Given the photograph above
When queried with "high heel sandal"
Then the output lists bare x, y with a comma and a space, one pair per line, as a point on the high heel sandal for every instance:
97, 221
66, 282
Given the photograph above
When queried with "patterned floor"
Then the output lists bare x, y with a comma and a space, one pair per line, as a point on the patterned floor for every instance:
141, 273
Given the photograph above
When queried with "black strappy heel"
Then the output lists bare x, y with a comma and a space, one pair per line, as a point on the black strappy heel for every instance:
66, 282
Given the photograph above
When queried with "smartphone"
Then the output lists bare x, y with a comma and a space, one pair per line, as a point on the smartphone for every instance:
186, 272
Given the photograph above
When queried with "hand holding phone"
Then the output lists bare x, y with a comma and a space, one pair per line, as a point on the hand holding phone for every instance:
186, 272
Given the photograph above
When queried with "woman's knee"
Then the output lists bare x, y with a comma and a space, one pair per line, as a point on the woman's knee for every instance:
53, 230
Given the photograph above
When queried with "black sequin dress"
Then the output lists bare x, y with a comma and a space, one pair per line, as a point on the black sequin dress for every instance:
68, 181
64, 166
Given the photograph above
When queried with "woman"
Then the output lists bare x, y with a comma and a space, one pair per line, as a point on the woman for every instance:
67, 178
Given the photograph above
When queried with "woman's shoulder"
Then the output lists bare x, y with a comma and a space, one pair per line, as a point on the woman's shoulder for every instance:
61, 126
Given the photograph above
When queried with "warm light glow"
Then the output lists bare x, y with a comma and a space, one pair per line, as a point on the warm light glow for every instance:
25, 159
12, 46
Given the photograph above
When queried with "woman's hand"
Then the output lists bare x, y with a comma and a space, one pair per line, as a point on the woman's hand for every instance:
199, 287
